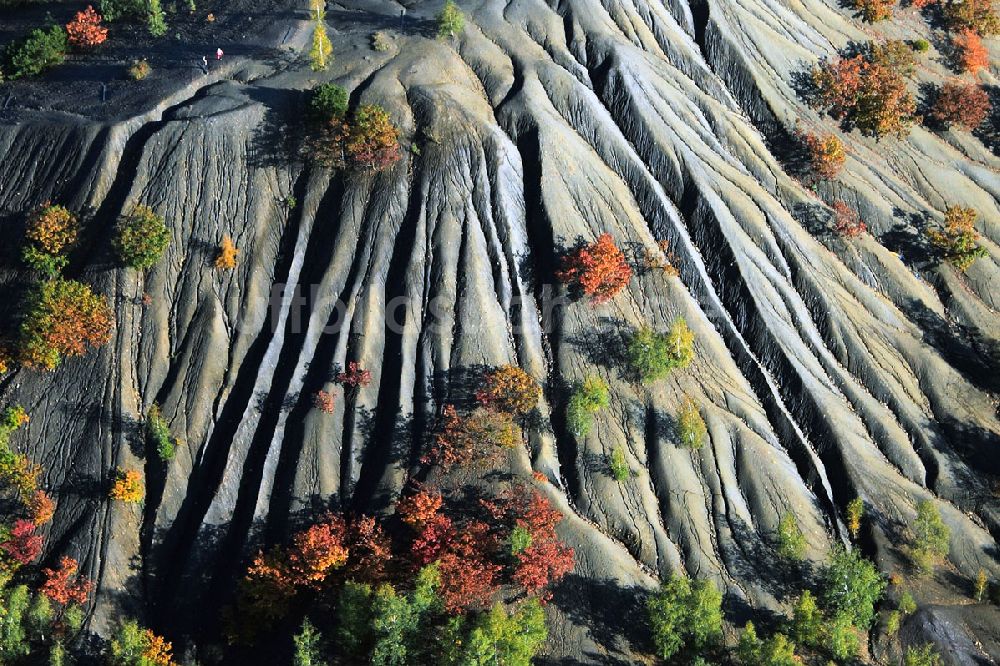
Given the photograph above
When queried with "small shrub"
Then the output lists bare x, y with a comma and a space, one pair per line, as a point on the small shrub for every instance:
929, 543
41, 507
156, 21
381, 42
509, 389
907, 605
128, 486
451, 20
588, 398
226, 259
113, 10
855, 512
981, 586
354, 377
921, 45
892, 622
846, 221
324, 402
618, 465
52, 232
40, 51
651, 355
974, 15
807, 621
963, 104
321, 53
826, 154
62, 318
139, 70
843, 640
372, 141
598, 270
969, 52
956, 242
664, 260
791, 542
685, 615
461, 440
851, 585
924, 655
159, 435
141, 237
873, 11
307, 644
328, 102
894, 54
132, 645
85, 30
691, 429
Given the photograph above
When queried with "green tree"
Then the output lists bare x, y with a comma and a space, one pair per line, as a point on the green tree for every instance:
156, 21
685, 615
775, 651
307, 642
13, 638
354, 610
141, 237
588, 398
321, 53
924, 655
929, 544
855, 512
327, 102
40, 51
158, 433
496, 637
807, 621
691, 429
791, 542
451, 20
619, 465
851, 586
651, 355
843, 639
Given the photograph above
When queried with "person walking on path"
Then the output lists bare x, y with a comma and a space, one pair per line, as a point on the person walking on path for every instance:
204, 64
218, 54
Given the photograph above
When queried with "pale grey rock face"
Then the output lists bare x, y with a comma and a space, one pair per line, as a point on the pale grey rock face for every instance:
826, 369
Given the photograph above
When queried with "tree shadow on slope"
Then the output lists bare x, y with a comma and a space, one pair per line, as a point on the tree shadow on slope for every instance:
989, 131
605, 345
614, 616
750, 557
346, 20
974, 356
908, 239
278, 140
457, 386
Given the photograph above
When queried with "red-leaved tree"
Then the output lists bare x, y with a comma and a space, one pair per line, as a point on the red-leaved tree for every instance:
85, 30
354, 376
846, 221
599, 270
23, 545
964, 104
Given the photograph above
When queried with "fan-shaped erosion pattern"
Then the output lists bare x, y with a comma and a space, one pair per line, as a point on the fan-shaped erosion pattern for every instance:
826, 369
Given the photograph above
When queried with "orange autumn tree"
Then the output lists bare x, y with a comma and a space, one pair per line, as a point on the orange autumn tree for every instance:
85, 30
63, 318
128, 486
63, 585
956, 241
599, 269
869, 91
509, 389
479, 437
226, 258
372, 141
826, 154
970, 54
963, 104
51, 233
874, 10
975, 15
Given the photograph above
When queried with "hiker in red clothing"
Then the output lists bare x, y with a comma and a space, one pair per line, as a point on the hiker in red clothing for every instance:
218, 54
